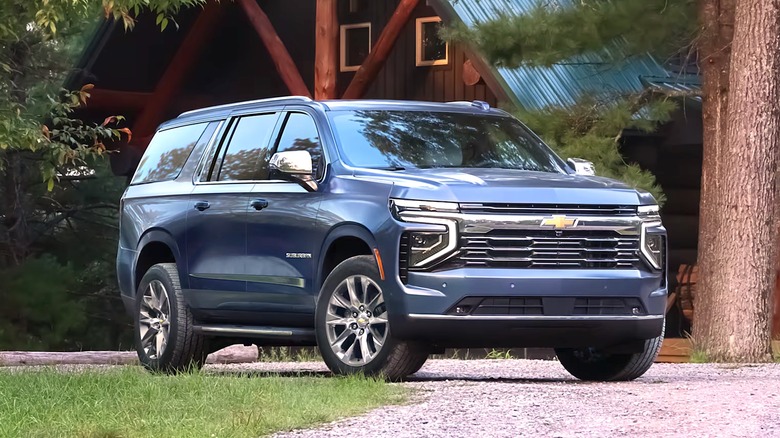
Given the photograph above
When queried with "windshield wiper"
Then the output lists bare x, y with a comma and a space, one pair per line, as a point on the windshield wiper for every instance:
391, 168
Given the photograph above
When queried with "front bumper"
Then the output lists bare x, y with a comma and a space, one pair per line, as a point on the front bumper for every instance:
423, 309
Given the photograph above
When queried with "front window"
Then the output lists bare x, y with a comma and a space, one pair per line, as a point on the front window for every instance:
425, 139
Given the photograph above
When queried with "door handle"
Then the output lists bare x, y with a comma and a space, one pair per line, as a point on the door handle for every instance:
202, 205
259, 204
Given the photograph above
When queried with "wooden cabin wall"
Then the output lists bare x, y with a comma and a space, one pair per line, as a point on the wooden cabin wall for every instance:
400, 78
236, 66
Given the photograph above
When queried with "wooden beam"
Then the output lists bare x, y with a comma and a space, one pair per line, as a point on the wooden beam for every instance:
381, 50
326, 51
284, 63
116, 100
171, 80
128, 102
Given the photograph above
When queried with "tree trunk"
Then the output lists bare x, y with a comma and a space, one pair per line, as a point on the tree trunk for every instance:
741, 122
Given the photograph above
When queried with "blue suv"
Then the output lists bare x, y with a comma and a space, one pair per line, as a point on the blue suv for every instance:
383, 231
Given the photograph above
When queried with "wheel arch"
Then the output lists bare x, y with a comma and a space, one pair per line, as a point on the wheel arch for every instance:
343, 241
156, 246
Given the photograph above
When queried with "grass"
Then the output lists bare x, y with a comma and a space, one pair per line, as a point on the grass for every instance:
699, 356
289, 354
129, 402
499, 354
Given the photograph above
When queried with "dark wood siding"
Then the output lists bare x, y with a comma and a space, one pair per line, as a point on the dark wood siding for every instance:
401, 78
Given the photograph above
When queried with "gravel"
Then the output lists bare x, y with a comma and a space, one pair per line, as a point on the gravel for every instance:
510, 398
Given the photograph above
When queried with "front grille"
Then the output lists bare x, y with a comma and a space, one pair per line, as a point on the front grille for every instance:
547, 209
548, 249
547, 306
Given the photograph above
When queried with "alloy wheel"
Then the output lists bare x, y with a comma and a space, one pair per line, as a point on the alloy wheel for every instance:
154, 319
356, 320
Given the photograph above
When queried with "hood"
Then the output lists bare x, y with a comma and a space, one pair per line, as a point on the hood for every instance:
506, 186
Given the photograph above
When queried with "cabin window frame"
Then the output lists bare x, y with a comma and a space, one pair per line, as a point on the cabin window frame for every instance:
343, 29
418, 44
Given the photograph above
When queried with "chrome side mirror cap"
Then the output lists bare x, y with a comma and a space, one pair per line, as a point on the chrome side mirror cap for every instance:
292, 162
581, 167
294, 166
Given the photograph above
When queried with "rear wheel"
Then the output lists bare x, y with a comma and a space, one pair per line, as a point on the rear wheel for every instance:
592, 364
353, 331
164, 335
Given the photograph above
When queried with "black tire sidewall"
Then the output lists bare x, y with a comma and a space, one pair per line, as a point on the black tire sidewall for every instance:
157, 272
359, 265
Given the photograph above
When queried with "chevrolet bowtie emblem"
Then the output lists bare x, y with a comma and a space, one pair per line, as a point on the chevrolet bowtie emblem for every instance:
558, 222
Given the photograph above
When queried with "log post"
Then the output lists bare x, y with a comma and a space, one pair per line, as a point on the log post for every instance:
182, 62
379, 53
326, 52
284, 63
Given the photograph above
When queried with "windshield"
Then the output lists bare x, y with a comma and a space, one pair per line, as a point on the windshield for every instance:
422, 139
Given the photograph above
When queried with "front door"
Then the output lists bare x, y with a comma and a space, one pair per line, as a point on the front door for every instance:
282, 245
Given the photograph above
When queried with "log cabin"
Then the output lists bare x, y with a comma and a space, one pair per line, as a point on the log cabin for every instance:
238, 50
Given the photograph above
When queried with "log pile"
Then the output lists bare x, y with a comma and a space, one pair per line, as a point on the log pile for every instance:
231, 354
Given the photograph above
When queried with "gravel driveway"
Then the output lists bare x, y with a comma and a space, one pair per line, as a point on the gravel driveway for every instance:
510, 398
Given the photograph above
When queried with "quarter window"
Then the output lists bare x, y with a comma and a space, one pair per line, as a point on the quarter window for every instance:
248, 150
300, 134
166, 154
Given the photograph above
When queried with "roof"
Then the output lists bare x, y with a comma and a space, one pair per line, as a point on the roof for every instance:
563, 83
223, 111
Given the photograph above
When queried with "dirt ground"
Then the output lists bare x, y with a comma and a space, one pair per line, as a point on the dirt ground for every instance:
510, 398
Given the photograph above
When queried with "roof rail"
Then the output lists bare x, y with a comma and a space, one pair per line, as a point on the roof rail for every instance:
248, 102
475, 103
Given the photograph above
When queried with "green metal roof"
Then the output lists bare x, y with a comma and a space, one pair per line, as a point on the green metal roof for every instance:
562, 84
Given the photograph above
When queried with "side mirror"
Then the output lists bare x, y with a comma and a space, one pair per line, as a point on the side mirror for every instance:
581, 167
294, 166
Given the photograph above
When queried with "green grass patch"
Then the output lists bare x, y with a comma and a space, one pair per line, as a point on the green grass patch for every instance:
699, 356
129, 402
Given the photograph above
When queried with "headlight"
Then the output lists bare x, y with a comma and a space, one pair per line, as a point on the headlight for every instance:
649, 213
427, 246
652, 245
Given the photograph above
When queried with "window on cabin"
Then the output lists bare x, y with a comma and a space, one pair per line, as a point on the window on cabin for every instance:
355, 45
300, 134
248, 151
431, 49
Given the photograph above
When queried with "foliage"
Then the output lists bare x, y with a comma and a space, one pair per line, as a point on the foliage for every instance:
57, 198
592, 129
561, 31
128, 401
556, 30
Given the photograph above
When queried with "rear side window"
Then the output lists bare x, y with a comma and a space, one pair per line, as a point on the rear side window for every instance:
247, 155
166, 154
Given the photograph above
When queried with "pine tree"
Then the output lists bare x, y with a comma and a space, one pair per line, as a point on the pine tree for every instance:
560, 31
737, 233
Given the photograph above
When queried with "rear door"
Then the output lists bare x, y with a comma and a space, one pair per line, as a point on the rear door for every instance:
282, 242
216, 219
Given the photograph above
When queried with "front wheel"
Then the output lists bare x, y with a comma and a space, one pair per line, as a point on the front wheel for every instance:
592, 364
352, 328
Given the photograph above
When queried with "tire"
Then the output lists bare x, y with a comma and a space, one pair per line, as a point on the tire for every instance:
182, 348
361, 344
590, 364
